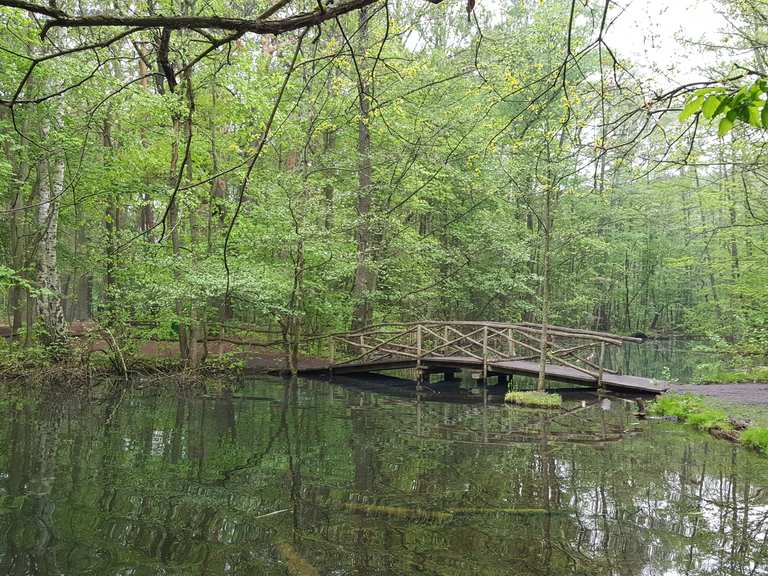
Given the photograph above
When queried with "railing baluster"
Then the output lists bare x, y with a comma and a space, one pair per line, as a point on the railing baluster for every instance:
419, 371
600, 366
418, 346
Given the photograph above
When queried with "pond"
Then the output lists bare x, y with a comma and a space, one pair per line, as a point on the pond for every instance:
673, 359
314, 478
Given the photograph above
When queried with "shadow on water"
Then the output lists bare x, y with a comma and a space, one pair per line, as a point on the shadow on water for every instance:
462, 388
314, 478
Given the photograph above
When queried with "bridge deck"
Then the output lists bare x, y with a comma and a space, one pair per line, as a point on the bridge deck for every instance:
554, 372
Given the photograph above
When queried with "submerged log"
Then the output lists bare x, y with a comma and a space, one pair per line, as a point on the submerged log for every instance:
398, 511
297, 565
443, 515
730, 435
509, 511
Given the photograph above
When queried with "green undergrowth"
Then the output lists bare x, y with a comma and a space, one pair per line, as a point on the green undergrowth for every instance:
755, 438
715, 374
704, 415
691, 409
534, 399
33, 363
15, 358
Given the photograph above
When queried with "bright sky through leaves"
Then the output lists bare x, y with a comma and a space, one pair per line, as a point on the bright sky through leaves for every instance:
664, 37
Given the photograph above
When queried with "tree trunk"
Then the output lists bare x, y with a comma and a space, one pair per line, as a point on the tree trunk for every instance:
16, 239
111, 224
173, 223
50, 188
365, 276
545, 258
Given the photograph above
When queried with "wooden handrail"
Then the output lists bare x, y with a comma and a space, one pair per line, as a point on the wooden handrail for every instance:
485, 342
525, 326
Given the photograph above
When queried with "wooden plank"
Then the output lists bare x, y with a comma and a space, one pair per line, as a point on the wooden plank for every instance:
552, 371
628, 382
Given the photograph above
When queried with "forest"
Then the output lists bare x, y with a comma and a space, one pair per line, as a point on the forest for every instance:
383, 287
191, 173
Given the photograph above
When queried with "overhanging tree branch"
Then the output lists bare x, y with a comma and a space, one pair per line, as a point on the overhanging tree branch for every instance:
51, 11
259, 25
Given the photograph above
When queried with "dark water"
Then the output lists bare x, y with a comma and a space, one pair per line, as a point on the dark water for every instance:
313, 478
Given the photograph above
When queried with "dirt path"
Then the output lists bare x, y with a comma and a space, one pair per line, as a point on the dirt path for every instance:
756, 394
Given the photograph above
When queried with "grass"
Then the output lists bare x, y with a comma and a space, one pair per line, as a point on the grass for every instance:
691, 409
707, 415
709, 419
755, 438
534, 398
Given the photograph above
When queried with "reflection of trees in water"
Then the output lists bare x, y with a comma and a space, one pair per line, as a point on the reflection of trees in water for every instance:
309, 478
652, 357
32, 438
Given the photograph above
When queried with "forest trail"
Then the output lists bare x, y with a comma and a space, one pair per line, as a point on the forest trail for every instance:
754, 393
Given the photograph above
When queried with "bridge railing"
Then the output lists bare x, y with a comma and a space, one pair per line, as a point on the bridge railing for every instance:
482, 342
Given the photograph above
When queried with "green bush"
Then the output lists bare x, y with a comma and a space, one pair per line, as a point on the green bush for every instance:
708, 419
533, 398
16, 358
756, 438
692, 410
679, 405
225, 362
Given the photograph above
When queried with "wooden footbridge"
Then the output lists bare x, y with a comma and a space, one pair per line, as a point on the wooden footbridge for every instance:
487, 348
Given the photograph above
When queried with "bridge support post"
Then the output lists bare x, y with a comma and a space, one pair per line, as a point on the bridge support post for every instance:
485, 353
600, 366
333, 353
419, 371
422, 378
510, 344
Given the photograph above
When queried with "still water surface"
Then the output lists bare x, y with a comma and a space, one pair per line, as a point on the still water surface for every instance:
312, 478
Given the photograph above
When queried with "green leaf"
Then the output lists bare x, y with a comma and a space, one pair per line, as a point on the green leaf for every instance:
724, 127
709, 90
690, 108
764, 115
723, 107
742, 114
710, 106
754, 117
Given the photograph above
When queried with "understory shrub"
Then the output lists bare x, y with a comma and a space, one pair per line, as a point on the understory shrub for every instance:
692, 410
